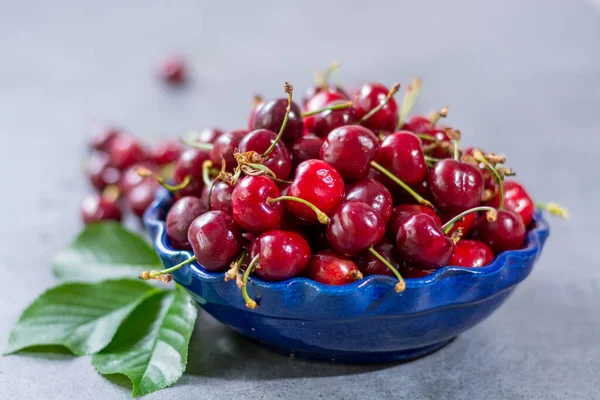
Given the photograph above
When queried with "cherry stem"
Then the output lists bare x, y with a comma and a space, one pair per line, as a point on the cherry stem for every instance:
288, 89
210, 192
146, 173
448, 225
146, 275
196, 145
456, 151
111, 193
410, 98
432, 159
329, 71
251, 304
427, 136
554, 209
321, 216
232, 272
401, 285
206, 167
499, 180
340, 106
390, 94
404, 186
435, 116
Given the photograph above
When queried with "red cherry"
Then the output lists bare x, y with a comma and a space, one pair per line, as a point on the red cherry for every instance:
164, 152
507, 232
125, 151
370, 96
318, 183
369, 264
319, 101
420, 124
516, 199
372, 193
179, 218
100, 172
172, 70
313, 90
224, 146
256, 105
130, 177
403, 211
328, 120
282, 255
271, 115
354, 227
306, 148
141, 196
330, 268
350, 149
471, 254
96, 208
455, 186
215, 240
278, 160
208, 135
250, 206
421, 241
103, 137
189, 164
220, 198
402, 155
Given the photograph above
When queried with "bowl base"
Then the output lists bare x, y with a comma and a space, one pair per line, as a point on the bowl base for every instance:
359, 357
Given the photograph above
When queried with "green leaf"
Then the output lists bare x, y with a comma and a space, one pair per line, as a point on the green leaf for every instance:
82, 317
151, 346
104, 251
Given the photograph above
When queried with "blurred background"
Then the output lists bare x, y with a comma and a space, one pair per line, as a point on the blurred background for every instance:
521, 78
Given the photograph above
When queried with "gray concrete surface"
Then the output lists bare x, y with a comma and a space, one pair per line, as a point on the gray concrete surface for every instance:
521, 77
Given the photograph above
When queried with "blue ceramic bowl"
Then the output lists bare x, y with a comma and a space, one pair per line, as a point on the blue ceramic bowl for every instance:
363, 322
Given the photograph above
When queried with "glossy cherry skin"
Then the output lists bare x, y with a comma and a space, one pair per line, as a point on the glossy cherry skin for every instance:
190, 164
506, 233
471, 254
208, 135
329, 120
306, 148
278, 160
421, 124
220, 198
103, 137
95, 208
173, 70
403, 211
318, 183
125, 150
100, 172
282, 255
164, 152
421, 242
371, 265
130, 177
330, 268
140, 196
313, 90
516, 199
402, 155
408, 271
319, 101
455, 186
372, 193
224, 146
215, 239
354, 227
179, 218
270, 116
250, 208
370, 96
350, 149
465, 224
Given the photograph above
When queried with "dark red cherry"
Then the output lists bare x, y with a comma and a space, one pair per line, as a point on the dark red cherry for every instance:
418, 124
313, 90
471, 254
350, 149
220, 198
319, 101
172, 70
421, 241
370, 96
215, 240
130, 177
455, 186
164, 152
421, 124
125, 150
282, 254
507, 232
516, 199
141, 196
328, 120
190, 164
403, 211
318, 183
103, 137
179, 218
224, 146
330, 268
100, 172
208, 135
354, 227
372, 193
371, 265
278, 160
250, 206
306, 148
270, 116
257, 104
465, 224
96, 208
402, 155
409, 271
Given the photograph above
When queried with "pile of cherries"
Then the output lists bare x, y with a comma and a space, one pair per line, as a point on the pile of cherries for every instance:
335, 189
